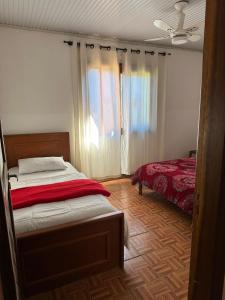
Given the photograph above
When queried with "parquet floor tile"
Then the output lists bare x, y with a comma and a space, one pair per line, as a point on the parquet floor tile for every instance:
156, 264
130, 252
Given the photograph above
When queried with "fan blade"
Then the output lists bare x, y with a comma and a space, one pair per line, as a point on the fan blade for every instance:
192, 29
194, 37
157, 39
163, 25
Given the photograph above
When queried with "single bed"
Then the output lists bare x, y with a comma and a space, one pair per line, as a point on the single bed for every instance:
173, 179
57, 241
44, 215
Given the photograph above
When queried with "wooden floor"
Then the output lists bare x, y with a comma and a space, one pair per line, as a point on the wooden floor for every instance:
157, 262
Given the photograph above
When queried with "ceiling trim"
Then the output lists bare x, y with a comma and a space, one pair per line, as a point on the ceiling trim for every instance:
81, 37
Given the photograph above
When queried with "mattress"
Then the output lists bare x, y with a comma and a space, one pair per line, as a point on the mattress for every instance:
45, 215
173, 179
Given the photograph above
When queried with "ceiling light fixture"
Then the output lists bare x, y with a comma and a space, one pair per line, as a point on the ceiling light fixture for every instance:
179, 35
179, 39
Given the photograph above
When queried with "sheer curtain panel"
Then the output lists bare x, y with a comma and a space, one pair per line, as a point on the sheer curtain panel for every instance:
143, 104
96, 111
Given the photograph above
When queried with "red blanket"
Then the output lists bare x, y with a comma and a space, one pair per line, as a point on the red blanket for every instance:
28, 196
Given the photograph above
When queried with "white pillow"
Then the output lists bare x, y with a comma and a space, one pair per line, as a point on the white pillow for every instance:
39, 164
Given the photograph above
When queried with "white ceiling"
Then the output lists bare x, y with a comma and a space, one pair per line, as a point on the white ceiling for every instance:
122, 19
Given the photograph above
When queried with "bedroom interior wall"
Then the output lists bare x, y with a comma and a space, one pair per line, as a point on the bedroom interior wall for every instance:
36, 89
183, 95
35, 82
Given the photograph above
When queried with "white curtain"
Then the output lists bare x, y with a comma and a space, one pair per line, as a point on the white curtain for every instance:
143, 104
96, 111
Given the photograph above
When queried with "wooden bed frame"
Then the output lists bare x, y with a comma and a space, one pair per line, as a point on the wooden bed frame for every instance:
51, 257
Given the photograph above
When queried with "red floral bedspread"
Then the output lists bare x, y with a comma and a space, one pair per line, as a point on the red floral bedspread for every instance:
174, 179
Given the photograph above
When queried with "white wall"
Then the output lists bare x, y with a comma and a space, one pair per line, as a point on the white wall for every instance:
182, 102
35, 82
36, 92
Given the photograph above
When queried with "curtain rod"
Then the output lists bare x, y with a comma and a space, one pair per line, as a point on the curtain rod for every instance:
70, 43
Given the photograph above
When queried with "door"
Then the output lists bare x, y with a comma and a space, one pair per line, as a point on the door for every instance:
208, 246
9, 288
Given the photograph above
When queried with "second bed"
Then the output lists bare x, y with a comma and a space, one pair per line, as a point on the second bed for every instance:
172, 179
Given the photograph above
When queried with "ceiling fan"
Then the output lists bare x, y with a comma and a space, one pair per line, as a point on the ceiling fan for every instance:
178, 35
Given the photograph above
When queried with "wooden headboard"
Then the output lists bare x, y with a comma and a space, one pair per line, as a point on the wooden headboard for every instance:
36, 145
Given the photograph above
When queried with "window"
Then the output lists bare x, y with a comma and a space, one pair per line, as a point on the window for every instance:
104, 112
135, 98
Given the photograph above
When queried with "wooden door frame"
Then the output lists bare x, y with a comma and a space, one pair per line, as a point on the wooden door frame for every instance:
9, 278
208, 242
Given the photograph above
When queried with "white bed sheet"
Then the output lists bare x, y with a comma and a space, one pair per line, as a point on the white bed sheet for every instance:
45, 215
